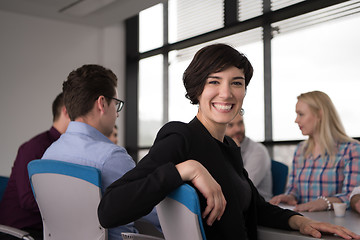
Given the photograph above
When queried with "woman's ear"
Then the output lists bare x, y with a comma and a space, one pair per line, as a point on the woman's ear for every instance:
320, 114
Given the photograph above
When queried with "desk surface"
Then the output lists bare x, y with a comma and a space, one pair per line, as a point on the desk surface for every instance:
350, 221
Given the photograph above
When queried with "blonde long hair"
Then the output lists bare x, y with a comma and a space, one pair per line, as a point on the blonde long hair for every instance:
330, 128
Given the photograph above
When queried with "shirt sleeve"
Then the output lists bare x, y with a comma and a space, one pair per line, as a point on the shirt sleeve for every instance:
142, 188
355, 191
351, 172
119, 162
271, 215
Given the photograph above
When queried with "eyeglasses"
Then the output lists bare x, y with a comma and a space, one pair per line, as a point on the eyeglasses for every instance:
119, 103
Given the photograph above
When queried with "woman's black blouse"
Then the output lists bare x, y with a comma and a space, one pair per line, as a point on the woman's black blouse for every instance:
142, 188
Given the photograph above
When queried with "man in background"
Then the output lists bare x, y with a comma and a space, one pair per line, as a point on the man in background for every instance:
18, 207
114, 135
256, 158
92, 102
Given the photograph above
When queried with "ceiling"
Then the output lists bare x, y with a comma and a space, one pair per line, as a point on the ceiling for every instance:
97, 13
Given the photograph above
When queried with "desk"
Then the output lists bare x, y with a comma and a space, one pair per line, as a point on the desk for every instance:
350, 221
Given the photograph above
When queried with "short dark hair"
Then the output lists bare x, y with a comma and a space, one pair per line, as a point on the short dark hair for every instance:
211, 59
57, 104
84, 85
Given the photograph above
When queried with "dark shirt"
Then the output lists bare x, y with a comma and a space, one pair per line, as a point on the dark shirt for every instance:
156, 176
18, 207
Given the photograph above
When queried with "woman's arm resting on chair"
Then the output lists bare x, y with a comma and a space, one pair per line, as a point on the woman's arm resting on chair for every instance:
193, 171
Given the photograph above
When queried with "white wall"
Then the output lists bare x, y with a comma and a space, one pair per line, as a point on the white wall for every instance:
36, 55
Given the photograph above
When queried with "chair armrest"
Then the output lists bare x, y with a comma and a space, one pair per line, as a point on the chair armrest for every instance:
15, 232
138, 236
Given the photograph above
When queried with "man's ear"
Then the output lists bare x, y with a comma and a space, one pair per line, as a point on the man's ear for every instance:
64, 111
101, 104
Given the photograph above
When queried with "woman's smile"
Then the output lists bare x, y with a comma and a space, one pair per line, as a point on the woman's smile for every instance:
226, 107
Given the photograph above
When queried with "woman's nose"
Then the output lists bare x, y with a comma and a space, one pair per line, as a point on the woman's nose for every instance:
225, 91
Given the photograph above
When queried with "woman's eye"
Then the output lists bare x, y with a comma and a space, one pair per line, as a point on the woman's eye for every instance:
237, 83
213, 82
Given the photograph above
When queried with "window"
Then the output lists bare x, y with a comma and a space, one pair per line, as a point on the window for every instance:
150, 99
180, 108
318, 56
151, 28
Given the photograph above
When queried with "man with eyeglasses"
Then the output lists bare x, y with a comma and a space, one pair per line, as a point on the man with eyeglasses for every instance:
91, 99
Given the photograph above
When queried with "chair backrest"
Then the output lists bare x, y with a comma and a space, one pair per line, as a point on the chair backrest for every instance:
3, 184
180, 215
279, 173
68, 196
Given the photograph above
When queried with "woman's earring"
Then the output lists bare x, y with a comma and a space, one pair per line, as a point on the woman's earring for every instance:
242, 112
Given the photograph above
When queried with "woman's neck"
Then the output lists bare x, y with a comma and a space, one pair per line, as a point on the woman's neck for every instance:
317, 145
217, 131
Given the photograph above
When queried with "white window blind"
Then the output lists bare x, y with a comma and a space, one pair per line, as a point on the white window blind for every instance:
189, 18
277, 4
249, 8
235, 40
345, 9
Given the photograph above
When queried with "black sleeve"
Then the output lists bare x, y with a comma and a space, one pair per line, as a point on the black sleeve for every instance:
136, 193
272, 216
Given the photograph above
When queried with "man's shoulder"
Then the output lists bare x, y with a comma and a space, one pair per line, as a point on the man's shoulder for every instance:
256, 145
256, 148
38, 140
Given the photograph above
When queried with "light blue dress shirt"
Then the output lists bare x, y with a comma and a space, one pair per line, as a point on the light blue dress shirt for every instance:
85, 145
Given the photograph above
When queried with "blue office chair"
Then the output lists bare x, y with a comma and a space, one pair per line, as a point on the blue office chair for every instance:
3, 183
7, 229
180, 215
279, 177
68, 196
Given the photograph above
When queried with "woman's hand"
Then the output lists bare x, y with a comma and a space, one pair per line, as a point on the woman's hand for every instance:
195, 172
283, 198
315, 206
313, 228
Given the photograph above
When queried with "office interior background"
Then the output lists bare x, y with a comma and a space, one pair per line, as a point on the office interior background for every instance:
295, 46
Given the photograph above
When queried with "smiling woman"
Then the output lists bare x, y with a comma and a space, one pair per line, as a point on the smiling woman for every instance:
200, 154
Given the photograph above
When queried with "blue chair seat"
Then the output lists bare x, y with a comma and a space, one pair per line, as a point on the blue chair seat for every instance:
279, 173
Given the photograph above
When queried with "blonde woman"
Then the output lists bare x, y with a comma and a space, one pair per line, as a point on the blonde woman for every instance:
326, 167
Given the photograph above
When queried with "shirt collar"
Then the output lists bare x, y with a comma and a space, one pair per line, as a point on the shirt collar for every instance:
244, 143
86, 129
